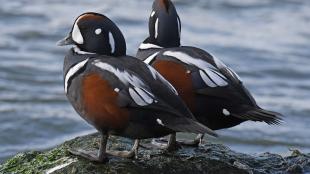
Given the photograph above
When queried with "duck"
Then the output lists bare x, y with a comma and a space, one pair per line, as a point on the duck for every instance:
118, 94
213, 91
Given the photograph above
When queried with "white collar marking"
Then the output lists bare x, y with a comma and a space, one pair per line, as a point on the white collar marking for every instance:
72, 71
145, 46
78, 51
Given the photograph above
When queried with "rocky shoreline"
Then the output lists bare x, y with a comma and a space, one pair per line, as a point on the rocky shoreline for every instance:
208, 158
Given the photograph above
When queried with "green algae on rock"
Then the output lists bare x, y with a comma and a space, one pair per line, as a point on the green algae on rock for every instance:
208, 158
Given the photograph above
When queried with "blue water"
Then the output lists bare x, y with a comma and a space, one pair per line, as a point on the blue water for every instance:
266, 41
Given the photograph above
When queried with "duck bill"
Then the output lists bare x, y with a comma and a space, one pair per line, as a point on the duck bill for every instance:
66, 41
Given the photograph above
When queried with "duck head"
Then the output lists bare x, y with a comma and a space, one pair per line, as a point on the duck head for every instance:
96, 33
164, 25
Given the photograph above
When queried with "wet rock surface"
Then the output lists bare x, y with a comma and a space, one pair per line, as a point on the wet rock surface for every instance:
207, 158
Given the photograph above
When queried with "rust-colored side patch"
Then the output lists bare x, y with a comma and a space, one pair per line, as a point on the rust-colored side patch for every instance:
100, 102
177, 75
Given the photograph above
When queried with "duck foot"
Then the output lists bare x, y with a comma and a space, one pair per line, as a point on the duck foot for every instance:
102, 156
133, 153
192, 143
90, 155
169, 146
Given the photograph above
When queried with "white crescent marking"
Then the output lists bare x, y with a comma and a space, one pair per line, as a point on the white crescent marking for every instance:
72, 71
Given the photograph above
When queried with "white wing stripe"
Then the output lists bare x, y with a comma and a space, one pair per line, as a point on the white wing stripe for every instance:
146, 97
206, 79
72, 71
216, 78
137, 99
234, 74
139, 92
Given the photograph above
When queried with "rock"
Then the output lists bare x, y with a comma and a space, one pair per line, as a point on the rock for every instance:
208, 158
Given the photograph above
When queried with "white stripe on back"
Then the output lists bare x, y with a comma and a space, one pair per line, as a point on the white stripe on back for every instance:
215, 78
139, 93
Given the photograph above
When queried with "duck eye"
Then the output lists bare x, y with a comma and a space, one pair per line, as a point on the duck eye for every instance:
98, 31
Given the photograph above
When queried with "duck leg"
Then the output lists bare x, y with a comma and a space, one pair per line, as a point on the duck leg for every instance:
133, 153
100, 157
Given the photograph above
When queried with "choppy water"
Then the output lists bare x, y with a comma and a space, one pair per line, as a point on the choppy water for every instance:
266, 41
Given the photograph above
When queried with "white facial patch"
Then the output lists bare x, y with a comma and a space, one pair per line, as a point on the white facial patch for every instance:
160, 122
72, 71
226, 112
76, 34
156, 28
98, 31
112, 42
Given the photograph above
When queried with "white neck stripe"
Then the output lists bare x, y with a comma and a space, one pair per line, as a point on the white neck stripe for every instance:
77, 50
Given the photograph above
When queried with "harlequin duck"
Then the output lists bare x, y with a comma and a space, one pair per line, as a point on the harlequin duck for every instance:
119, 94
214, 92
